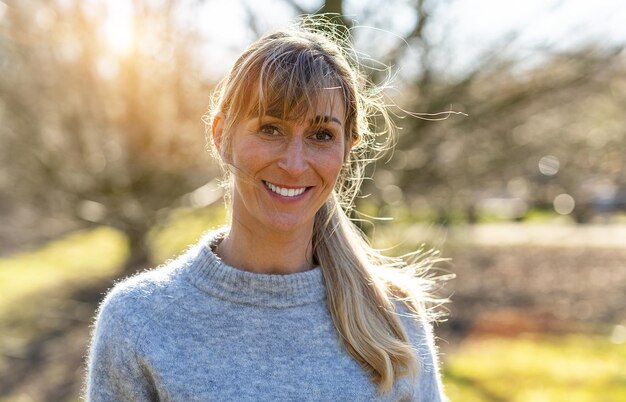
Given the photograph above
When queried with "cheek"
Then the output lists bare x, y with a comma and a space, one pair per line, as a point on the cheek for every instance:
330, 166
248, 156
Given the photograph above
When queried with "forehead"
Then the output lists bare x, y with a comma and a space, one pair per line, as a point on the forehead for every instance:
330, 104
320, 102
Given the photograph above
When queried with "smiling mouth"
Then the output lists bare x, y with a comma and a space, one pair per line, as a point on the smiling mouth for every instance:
285, 192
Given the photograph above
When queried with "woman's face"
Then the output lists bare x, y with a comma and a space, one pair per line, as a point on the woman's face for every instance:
285, 170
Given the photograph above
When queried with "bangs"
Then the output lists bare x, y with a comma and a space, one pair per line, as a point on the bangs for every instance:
291, 84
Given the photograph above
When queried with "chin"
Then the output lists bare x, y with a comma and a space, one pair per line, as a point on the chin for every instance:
287, 224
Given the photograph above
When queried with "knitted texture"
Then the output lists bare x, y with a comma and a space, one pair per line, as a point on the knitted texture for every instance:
197, 329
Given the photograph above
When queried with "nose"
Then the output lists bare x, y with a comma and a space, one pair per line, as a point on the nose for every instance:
293, 160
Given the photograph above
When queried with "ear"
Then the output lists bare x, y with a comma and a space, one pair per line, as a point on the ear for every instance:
217, 131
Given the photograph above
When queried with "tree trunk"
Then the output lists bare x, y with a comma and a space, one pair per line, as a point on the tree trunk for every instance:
139, 253
332, 6
336, 7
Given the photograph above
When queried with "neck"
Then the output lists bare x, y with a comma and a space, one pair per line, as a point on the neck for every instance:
268, 252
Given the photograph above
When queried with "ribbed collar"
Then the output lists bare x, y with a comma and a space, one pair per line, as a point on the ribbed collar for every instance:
210, 274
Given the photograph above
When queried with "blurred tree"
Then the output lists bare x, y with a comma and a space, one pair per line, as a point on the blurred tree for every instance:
515, 119
101, 117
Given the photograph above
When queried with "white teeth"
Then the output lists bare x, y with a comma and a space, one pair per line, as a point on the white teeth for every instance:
285, 192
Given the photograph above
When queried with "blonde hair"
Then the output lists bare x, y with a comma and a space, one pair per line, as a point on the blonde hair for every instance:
285, 73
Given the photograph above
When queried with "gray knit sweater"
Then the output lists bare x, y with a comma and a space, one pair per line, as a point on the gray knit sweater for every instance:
197, 329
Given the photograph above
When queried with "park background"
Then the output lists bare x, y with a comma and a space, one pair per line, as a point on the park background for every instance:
104, 172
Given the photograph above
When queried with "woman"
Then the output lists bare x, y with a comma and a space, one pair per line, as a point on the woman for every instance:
288, 302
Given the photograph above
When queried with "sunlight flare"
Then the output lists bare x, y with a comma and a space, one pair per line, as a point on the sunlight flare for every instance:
118, 30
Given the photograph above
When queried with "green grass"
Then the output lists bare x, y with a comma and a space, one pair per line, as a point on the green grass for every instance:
91, 254
573, 368
96, 253
183, 228
619, 217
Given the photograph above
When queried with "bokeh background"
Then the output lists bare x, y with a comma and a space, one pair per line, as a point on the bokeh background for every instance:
104, 172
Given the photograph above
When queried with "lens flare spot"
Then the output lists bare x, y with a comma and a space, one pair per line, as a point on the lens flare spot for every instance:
564, 204
549, 165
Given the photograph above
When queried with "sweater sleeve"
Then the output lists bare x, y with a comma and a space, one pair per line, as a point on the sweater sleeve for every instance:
114, 372
427, 386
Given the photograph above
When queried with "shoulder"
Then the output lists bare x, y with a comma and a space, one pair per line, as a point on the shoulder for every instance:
137, 299
421, 335
133, 301
428, 386
114, 364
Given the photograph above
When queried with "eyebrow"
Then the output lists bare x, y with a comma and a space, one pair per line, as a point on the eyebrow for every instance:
325, 119
315, 120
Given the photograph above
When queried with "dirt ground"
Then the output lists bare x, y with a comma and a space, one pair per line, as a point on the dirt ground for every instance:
513, 290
